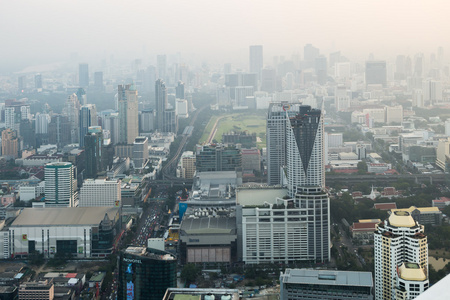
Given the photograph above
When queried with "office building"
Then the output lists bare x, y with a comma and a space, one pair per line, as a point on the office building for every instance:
325, 284
401, 257
443, 154
10, 143
251, 160
93, 144
72, 111
98, 81
276, 139
376, 73
59, 184
128, 114
432, 92
146, 121
241, 94
41, 123
305, 153
83, 75
38, 81
10, 117
186, 165
256, 59
22, 83
59, 131
146, 273
170, 121
161, 103
321, 69
161, 64
140, 152
217, 158
182, 109
100, 192
88, 118
394, 114
310, 53
269, 80
42, 290
110, 122
81, 95
79, 231
179, 90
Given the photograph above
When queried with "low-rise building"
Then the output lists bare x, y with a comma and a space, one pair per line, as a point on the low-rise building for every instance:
424, 215
325, 284
43, 290
363, 230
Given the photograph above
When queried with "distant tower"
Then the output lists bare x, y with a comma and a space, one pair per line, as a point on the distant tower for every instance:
161, 103
72, 111
179, 90
22, 83
376, 72
256, 59
128, 114
161, 62
88, 117
38, 81
83, 75
81, 95
59, 184
98, 81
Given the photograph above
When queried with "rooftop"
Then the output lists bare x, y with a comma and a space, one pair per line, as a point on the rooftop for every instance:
63, 216
147, 252
400, 218
327, 277
411, 271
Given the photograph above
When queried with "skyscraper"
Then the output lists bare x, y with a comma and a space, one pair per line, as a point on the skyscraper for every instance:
161, 103
256, 59
10, 143
59, 184
179, 90
161, 62
88, 117
305, 154
72, 111
128, 114
83, 75
98, 80
93, 143
38, 81
401, 257
376, 72
276, 139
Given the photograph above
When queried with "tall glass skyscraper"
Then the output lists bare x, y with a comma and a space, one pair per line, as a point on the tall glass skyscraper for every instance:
128, 114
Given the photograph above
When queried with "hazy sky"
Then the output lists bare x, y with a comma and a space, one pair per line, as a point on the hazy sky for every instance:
33, 31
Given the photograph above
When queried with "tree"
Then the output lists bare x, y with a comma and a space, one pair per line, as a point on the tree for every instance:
35, 258
190, 273
362, 167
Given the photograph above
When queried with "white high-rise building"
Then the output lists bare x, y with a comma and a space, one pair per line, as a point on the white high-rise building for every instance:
432, 92
25, 112
100, 192
128, 114
10, 116
59, 184
41, 123
305, 153
417, 99
394, 114
401, 258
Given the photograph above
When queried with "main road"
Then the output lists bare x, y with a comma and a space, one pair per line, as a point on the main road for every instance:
171, 165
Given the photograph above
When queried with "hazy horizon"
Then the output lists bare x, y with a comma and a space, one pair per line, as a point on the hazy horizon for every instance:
47, 31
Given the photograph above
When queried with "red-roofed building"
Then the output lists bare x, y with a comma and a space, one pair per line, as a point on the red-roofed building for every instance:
71, 275
363, 230
385, 206
441, 203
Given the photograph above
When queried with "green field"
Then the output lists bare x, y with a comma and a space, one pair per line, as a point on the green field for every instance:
250, 122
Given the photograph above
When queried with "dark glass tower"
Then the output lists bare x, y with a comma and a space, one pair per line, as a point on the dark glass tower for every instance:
146, 273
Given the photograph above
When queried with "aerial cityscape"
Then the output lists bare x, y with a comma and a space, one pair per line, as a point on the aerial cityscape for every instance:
224, 150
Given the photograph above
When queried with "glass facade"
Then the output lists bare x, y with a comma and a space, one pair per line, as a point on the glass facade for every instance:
146, 275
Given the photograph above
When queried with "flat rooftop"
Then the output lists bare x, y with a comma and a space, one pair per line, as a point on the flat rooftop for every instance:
63, 216
327, 277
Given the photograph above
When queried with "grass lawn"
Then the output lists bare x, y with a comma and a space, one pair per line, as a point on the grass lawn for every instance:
251, 122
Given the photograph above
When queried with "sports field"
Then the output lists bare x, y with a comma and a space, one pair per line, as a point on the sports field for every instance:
250, 122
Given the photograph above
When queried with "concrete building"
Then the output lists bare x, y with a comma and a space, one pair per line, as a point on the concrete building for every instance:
401, 258
208, 234
186, 165
218, 157
93, 144
10, 143
42, 290
376, 73
443, 154
277, 117
251, 160
183, 293
100, 192
83, 75
424, 215
160, 103
128, 114
256, 59
394, 114
88, 118
325, 284
140, 152
59, 184
79, 231
146, 121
